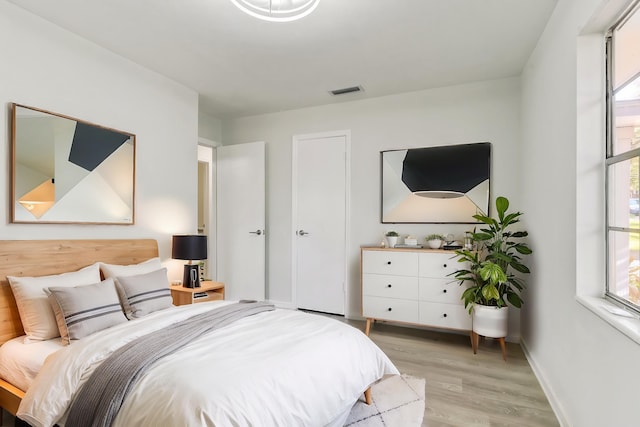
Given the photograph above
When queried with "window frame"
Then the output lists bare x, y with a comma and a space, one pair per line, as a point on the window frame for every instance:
612, 159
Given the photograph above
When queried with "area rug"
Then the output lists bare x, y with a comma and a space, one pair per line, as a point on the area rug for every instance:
398, 401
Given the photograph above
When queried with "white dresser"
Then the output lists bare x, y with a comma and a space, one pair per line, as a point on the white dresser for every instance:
412, 286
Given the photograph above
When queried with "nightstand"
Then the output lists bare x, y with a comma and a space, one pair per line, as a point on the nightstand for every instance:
208, 291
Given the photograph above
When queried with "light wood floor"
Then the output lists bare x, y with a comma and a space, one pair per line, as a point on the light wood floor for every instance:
464, 389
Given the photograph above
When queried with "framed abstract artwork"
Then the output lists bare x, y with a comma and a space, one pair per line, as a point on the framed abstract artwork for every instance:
66, 170
443, 184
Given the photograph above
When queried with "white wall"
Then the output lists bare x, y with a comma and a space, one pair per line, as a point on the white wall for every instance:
487, 111
46, 67
588, 368
209, 127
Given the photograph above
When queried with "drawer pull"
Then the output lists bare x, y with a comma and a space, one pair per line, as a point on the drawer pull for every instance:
445, 266
388, 262
445, 291
389, 309
445, 315
389, 285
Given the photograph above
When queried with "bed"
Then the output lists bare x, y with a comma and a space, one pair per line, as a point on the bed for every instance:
280, 367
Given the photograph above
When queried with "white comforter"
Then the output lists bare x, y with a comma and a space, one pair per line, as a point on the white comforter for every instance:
279, 368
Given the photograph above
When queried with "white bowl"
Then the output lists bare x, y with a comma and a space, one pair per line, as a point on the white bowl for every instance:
434, 244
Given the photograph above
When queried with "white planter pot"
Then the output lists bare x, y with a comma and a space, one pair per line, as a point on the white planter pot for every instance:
434, 244
392, 240
490, 321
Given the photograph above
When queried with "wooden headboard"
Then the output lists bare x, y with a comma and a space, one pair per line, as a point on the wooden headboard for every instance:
45, 257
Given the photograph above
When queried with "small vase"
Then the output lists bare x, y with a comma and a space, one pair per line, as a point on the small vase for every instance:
434, 244
392, 240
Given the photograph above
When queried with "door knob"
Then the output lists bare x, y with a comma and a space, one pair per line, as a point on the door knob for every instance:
258, 232
302, 233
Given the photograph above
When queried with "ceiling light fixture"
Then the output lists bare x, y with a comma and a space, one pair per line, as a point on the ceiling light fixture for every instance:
277, 10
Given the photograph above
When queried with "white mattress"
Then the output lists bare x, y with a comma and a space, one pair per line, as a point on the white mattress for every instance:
20, 362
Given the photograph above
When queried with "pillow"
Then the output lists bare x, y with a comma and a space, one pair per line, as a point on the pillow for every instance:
36, 314
144, 293
83, 310
115, 270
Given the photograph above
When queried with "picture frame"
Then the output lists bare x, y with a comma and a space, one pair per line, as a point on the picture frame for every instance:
67, 170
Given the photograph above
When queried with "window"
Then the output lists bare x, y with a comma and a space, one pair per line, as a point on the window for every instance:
622, 162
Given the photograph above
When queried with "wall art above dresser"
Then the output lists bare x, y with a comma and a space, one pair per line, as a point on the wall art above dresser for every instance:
445, 184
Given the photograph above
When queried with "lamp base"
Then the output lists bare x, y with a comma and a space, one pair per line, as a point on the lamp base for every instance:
191, 277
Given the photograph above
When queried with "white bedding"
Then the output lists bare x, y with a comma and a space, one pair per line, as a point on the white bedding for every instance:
20, 362
279, 368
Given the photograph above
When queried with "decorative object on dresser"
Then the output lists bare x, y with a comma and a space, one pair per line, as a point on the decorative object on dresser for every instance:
67, 170
410, 241
411, 286
434, 241
208, 291
190, 247
392, 238
488, 274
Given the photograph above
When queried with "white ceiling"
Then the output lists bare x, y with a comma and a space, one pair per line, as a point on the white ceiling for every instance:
243, 66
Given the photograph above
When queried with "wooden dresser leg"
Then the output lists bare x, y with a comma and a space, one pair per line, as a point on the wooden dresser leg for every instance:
367, 396
504, 348
368, 327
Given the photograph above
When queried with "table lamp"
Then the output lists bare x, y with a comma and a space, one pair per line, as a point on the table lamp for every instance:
190, 247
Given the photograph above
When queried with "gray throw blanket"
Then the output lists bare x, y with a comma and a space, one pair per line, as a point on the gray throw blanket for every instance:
99, 400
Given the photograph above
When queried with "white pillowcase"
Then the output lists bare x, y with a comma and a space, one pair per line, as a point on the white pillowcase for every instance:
115, 270
36, 314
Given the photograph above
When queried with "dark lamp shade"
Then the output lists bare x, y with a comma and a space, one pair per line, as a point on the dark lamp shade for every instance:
189, 247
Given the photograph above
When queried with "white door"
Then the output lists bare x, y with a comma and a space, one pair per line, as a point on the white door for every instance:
240, 229
320, 221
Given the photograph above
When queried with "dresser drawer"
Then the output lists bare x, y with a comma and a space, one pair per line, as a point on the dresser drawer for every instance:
453, 316
388, 262
381, 285
390, 309
441, 290
438, 265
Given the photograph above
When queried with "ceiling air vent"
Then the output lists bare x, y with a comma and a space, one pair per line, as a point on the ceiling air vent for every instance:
346, 90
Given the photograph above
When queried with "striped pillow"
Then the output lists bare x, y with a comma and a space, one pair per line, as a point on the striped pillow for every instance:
144, 293
83, 310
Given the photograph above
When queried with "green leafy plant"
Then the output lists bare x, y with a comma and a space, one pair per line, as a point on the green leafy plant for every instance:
492, 268
434, 237
392, 234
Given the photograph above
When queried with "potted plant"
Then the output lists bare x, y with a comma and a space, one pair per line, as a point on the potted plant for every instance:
434, 240
392, 238
490, 271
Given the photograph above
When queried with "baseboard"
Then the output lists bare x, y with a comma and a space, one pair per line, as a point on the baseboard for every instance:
546, 387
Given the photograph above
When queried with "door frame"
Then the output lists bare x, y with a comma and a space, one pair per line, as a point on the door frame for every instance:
207, 154
294, 208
